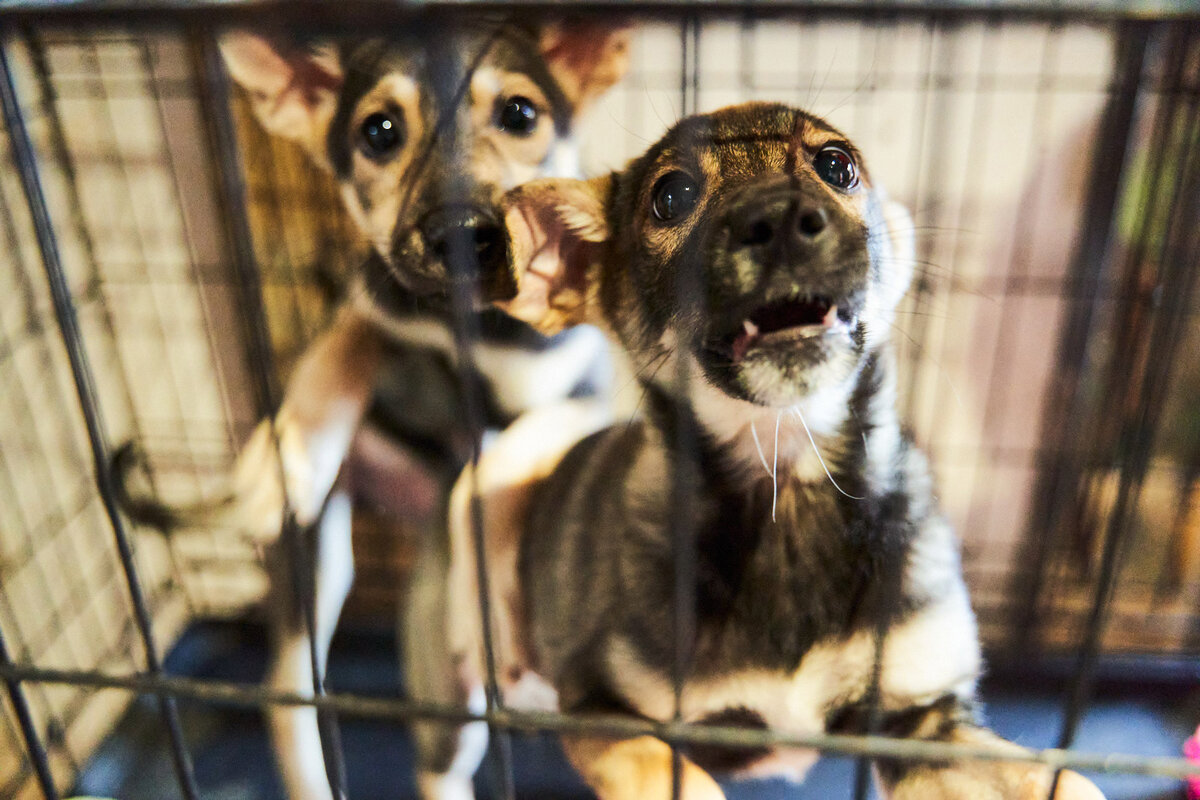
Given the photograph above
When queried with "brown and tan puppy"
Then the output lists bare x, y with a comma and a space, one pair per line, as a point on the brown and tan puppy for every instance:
749, 252
423, 129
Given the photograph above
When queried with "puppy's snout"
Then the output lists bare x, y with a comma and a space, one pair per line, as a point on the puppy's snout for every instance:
778, 221
459, 232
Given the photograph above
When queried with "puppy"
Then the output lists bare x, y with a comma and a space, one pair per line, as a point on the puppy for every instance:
750, 270
424, 131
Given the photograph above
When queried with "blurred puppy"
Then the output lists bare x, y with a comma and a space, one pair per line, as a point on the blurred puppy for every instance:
748, 252
424, 131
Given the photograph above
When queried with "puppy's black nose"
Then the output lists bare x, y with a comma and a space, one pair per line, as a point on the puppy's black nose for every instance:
458, 232
778, 221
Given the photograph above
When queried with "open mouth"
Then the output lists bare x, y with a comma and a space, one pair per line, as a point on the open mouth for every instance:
782, 320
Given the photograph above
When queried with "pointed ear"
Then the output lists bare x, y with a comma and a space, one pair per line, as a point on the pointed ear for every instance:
293, 89
557, 230
586, 57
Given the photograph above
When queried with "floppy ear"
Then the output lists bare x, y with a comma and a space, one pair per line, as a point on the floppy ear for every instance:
586, 57
557, 230
293, 89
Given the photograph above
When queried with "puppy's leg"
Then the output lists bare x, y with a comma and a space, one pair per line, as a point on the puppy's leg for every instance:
636, 769
443, 628
975, 780
294, 731
447, 754
324, 403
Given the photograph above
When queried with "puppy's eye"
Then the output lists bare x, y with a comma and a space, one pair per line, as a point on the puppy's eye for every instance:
835, 166
674, 196
381, 135
517, 115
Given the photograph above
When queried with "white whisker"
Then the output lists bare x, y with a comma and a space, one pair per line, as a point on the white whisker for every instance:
775, 466
817, 450
773, 471
758, 447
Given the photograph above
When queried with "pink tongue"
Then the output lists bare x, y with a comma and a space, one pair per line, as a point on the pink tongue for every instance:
741, 344
749, 333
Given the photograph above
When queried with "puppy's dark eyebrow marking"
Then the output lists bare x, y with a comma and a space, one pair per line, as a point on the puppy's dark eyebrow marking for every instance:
749, 138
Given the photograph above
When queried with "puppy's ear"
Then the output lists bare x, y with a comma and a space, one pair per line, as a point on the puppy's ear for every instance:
586, 57
557, 230
293, 89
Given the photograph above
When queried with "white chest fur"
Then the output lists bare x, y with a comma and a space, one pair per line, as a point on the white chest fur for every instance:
930, 654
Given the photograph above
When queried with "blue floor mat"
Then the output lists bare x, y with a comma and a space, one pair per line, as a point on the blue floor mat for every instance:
233, 759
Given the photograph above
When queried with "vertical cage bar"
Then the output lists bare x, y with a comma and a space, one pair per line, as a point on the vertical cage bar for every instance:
215, 98
1059, 462
1177, 268
65, 158
81, 373
931, 132
33, 743
462, 265
685, 444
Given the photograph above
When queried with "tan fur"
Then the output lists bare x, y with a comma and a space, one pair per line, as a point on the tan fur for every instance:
636, 769
989, 780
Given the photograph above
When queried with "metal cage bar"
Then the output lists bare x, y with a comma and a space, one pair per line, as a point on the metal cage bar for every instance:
465, 328
297, 555
34, 748
1166, 332
252, 696
85, 387
1061, 412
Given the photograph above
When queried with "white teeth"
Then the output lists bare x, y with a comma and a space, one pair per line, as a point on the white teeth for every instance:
831, 317
750, 328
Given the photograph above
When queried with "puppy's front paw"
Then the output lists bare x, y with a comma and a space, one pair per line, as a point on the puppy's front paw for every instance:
991, 781
633, 769
976, 779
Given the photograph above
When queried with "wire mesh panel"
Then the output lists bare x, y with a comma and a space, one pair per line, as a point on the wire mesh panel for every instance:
1050, 163
63, 594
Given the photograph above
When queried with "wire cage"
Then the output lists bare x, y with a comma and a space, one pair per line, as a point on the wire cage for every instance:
167, 262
